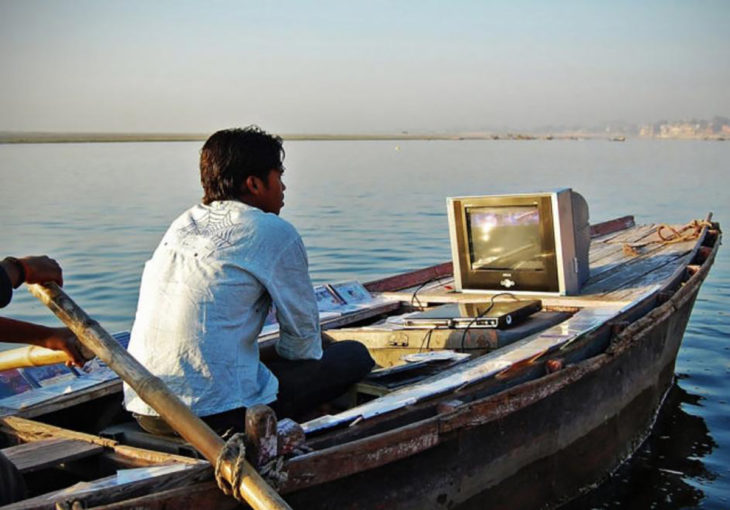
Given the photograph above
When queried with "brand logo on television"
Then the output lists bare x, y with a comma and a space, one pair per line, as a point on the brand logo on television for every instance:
507, 283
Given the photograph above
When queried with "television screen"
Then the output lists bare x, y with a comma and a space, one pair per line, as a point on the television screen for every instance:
505, 238
528, 242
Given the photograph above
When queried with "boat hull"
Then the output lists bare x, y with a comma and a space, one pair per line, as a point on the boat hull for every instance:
540, 444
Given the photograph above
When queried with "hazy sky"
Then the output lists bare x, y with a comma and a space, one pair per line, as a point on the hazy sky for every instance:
359, 66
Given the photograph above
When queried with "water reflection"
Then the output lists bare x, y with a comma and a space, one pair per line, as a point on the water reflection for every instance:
667, 470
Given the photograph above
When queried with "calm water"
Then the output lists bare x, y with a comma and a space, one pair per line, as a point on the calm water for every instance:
370, 209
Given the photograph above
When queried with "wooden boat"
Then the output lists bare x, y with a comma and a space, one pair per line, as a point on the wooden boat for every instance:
532, 417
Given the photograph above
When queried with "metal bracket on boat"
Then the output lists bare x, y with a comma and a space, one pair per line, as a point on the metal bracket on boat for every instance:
554, 365
663, 297
692, 269
449, 406
398, 339
69, 505
618, 326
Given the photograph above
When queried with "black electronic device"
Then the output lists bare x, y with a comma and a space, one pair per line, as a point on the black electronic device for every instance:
498, 314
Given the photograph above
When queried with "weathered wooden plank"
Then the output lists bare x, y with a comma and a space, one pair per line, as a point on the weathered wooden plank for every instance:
634, 268
657, 277
599, 251
611, 226
201, 496
38, 455
449, 296
29, 430
411, 279
70, 399
609, 247
632, 234
672, 274
377, 390
428, 339
262, 444
121, 486
616, 255
445, 338
361, 455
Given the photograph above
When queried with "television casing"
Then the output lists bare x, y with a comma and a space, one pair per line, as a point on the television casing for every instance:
564, 234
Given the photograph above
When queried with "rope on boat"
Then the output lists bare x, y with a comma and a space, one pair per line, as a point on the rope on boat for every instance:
234, 454
688, 232
274, 472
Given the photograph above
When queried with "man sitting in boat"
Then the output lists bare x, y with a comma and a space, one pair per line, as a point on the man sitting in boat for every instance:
209, 285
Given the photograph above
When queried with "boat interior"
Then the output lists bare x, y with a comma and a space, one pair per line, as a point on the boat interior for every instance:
67, 428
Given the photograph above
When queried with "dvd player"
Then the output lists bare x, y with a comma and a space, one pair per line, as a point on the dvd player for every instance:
499, 315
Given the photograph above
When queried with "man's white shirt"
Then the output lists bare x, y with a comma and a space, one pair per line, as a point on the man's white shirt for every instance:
203, 300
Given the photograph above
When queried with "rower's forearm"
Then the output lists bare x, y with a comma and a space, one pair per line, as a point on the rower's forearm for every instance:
20, 332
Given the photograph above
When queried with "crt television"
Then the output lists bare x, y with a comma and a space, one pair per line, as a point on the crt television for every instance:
522, 243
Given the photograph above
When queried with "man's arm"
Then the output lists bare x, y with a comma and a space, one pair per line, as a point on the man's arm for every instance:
26, 269
59, 339
14, 272
296, 307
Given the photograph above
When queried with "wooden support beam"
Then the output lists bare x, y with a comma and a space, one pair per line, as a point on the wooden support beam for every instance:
449, 406
618, 326
290, 436
262, 443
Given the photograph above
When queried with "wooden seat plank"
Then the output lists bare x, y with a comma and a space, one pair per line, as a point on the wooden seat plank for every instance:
629, 235
651, 279
634, 269
39, 455
604, 248
375, 337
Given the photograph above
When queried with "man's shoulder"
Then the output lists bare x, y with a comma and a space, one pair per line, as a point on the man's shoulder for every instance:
250, 221
233, 221
273, 224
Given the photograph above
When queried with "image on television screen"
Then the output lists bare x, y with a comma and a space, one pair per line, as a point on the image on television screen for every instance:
505, 238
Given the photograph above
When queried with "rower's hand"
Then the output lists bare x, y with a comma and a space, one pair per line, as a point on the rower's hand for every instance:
64, 340
42, 269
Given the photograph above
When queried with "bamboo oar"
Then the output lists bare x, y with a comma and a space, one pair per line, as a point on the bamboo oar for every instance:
154, 392
36, 356
31, 356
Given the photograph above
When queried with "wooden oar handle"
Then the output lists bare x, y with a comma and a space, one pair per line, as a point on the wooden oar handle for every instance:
154, 392
31, 356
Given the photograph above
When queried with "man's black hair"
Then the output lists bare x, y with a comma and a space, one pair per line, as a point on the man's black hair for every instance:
231, 155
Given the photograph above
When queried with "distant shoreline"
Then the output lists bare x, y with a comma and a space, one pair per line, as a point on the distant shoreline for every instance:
28, 137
